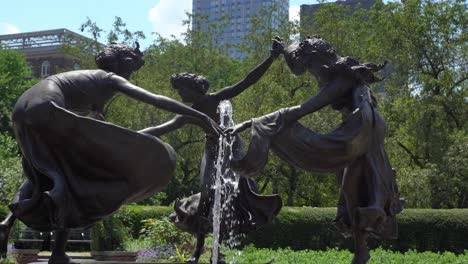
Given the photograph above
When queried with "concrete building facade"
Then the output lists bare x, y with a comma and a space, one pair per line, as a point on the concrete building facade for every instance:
238, 15
43, 50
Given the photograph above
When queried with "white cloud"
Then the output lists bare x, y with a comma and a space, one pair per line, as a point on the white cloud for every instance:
7, 28
167, 16
294, 12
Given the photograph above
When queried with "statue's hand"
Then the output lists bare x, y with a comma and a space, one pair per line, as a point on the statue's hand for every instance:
211, 127
238, 128
277, 46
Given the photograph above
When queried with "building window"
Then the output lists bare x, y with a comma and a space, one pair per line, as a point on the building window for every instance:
45, 69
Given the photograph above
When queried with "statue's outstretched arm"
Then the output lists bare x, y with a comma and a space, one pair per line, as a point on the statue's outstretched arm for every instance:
177, 122
254, 75
171, 125
239, 127
251, 78
324, 97
163, 102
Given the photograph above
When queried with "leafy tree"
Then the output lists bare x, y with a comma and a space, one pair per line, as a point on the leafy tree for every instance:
423, 96
14, 71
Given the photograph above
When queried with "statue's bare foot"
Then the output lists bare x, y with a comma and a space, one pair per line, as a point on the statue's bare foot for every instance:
361, 257
61, 259
4, 232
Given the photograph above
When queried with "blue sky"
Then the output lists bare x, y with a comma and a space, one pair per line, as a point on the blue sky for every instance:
162, 16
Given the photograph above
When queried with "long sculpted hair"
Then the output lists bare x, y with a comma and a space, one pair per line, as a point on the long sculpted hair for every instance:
195, 82
317, 47
120, 58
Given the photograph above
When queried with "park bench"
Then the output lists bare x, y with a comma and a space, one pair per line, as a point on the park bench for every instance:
26, 238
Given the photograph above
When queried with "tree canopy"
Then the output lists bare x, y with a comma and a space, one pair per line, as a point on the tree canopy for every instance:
423, 97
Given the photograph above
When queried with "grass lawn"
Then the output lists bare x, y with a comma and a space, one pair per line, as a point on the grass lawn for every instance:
333, 256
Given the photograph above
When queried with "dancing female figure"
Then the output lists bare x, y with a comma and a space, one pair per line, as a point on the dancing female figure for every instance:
193, 213
369, 198
78, 167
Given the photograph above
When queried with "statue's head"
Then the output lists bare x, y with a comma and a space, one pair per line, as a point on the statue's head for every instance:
189, 86
186, 217
309, 52
120, 59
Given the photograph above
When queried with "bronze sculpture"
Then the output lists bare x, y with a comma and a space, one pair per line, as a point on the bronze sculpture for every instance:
193, 213
80, 168
369, 198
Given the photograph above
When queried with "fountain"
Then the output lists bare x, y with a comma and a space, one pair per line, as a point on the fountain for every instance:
226, 181
235, 207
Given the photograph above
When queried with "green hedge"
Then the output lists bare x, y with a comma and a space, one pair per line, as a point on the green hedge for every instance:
419, 229
132, 216
312, 228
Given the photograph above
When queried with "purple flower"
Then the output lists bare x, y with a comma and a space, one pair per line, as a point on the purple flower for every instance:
157, 252
148, 253
11, 248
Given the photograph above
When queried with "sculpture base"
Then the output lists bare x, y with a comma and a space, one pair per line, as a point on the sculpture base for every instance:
24, 256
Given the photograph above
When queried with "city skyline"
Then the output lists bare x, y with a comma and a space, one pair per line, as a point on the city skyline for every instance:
162, 16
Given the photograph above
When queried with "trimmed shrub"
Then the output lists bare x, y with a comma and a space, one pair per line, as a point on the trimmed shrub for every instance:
133, 216
312, 228
108, 235
299, 228
434, 230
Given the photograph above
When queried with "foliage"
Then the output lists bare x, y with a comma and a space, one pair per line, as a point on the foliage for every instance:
162, 232
156, 253
134, 245
423, 96
3, 211
109, 235
10, 169
13, 72
133, 216
312, 228
250, 254
424, 100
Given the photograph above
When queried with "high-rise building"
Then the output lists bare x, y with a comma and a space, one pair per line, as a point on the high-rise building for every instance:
307, 11
238, 15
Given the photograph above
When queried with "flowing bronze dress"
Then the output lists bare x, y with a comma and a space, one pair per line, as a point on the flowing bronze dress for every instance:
369, 198
79, 168
249, 209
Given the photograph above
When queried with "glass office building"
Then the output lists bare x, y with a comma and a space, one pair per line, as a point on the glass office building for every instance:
236, 15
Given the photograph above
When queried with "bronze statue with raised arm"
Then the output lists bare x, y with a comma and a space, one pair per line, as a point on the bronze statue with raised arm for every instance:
78, 167
193, 214
369, 198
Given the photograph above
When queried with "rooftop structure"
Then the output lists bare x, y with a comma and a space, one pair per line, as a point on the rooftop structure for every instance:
42, 49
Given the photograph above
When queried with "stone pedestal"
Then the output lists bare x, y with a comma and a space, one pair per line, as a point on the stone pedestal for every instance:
25, 256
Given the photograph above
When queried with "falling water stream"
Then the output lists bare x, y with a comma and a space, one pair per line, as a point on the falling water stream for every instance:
226, 181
